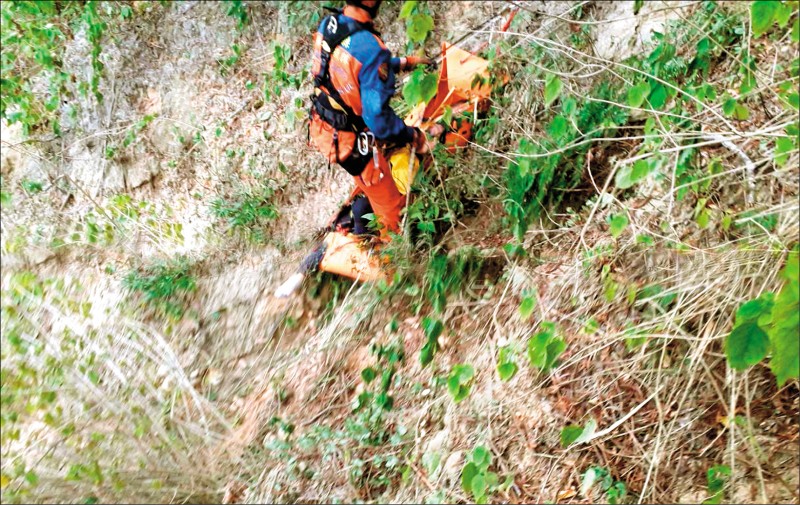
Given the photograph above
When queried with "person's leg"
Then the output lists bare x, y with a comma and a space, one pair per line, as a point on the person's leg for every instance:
385, 199
361, 207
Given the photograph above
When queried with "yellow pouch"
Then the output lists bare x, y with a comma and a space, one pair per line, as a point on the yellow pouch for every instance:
398, 161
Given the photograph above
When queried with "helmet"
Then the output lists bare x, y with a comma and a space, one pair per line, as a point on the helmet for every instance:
371, 6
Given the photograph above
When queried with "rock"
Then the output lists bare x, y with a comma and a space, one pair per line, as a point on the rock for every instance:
451, 471
439, 442
627, 34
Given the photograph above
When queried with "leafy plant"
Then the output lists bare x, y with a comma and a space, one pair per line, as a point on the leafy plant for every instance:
238, 10
34, 36
770, 324
477, 480
615, 491
506, 367
717, 476
371, 405
248, 210
421, 86
31, 186
459, 381
617, 224
763, 15
419, 22
526, 306
552, 89
163, 285
545, 347
575, 434
433, 328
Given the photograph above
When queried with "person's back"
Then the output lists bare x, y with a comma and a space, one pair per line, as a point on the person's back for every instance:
354, 82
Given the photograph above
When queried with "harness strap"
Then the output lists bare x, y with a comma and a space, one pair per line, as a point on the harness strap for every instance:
333, 34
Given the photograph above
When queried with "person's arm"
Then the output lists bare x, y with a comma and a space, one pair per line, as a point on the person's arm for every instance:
397, 64
376, 80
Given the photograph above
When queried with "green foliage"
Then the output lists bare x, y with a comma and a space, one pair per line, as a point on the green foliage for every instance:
237, 10
716, 477
419, 22
506, 367
163, 285
421, 86
31, 186
614, 490
432, 328
617, 224
629, 175
526, 306
764, 14
34, 35
459, 381
371, 405
552, 89
770, 324
448, 274
574, 434
545, 169
545, 347
477, 480
249, 210
638, 93
282, 75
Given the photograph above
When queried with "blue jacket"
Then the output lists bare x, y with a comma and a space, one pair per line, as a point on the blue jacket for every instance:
362, 70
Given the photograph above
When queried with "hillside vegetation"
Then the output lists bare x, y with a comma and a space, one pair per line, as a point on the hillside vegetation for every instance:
596, 300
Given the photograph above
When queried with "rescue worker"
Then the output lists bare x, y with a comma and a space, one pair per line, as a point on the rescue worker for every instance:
350, 117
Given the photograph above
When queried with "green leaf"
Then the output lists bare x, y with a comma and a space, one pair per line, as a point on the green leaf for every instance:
796, 30
728, 106
761, 16
478, 485
419, 26
506, 370
753, 309
588, 431
783, 13
408, 6
741, 112
552, 89
537, 349
431, 460
554, 349
421, 87
526, 307
467, 474
481, 457
638, 93
703, 218
746, 345
637, 6
658, 96
426, 353
785, 324
558, 127
629, 175
368, 374
432, 327
716, 476
570, 434
31, 478
616, 224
